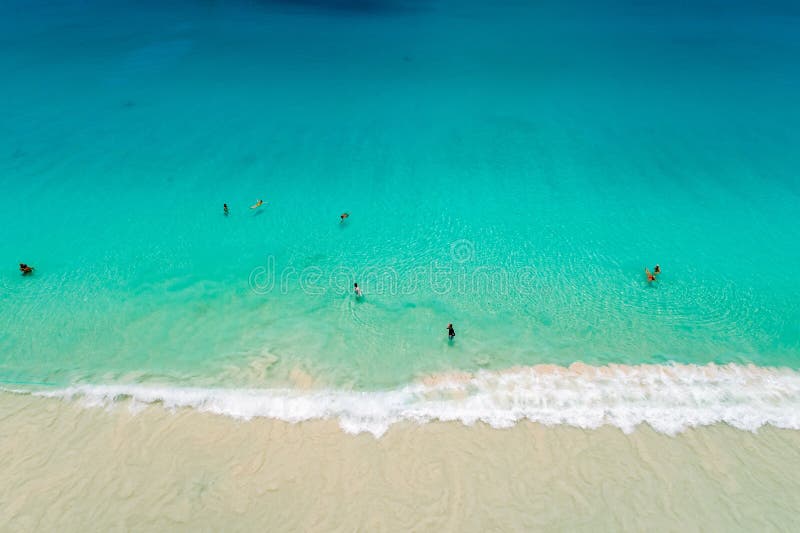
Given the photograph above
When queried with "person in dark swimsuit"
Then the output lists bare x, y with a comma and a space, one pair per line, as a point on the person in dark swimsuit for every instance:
225, 209
450, 331
657, 270
25, 269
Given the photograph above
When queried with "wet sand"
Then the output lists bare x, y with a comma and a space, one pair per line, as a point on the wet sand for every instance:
71, 468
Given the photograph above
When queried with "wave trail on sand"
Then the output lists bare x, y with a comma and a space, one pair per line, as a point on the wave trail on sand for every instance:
670, 398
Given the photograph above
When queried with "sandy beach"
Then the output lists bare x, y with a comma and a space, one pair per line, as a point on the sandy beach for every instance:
67, 467
601, 200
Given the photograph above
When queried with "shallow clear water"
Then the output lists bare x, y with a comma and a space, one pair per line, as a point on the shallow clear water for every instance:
510, 168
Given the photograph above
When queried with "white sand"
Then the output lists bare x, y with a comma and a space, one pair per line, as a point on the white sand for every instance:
68, 468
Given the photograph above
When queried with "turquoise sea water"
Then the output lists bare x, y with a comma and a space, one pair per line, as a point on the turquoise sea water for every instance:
511, 167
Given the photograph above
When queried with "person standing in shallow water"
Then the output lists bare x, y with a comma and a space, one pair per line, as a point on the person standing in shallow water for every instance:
357, 290
451, 332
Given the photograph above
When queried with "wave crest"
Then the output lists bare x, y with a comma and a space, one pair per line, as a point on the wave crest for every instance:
669, 398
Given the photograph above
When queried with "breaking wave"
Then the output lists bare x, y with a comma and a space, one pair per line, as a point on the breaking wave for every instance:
669, 398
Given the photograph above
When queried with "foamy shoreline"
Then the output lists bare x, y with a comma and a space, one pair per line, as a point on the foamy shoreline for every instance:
69, 468
669, 398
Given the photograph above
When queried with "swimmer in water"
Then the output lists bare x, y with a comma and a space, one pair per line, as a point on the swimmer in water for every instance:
650, 276
258, 204
657, 270
357, 290
343, 216
450, 331
25, 269
225, 209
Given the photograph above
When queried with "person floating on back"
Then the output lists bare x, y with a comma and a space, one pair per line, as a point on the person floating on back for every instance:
25, 269
225, 209
650, 276
357, 290
450, 331
258, 204
343, 216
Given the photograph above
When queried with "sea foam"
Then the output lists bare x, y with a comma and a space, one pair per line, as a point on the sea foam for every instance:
669, 398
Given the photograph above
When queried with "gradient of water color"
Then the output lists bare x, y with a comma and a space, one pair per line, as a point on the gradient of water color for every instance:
563, 146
